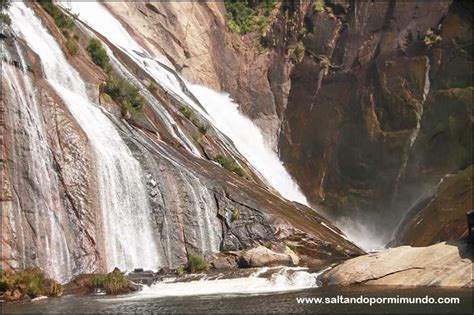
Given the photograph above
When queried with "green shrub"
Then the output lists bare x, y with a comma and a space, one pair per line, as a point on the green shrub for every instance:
180, 271
52, 288
152, 88
431, 38
4, 17
196, 264
107, 98
318, 6
71, 46
31, 282
99, 55
296, 52
197, 137
113, 283
229, 165
186, 111
202, 128
235, 214
125, 94
64, 22
303, 31
244, 19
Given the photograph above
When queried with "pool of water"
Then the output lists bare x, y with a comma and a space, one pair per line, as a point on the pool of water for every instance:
253, 303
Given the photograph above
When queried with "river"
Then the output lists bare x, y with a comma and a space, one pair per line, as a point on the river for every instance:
252, 303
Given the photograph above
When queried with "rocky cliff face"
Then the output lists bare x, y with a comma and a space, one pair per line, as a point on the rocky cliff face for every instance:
376, 134
440, 217
375, 113
54, 199
367, 103
195, 38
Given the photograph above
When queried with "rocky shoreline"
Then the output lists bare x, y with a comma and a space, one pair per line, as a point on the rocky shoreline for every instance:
447, 264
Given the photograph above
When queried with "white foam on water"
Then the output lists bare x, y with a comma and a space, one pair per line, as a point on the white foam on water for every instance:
286, 279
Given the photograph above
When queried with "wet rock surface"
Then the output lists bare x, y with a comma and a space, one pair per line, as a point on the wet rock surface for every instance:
196, 206
374, 115
47, 179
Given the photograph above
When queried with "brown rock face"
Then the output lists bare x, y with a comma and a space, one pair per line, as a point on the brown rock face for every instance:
46, 178
50, 205
375, 135
376, 113
441, 217
195, 38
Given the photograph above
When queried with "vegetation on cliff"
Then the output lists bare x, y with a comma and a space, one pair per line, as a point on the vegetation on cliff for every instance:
125, 94
4, 17
189, 114
120, 90
318, 5
229, 165
64, 22
296, 52
245, 17
99, 55
27, 284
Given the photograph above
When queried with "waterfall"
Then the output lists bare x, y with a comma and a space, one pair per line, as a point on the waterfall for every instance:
128, 233
44, 207
248, 139
219, 108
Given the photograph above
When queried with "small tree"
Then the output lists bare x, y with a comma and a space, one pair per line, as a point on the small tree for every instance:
99, 55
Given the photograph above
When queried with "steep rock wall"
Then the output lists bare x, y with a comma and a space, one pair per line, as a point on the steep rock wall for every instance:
368, 133
375, 114
196, 206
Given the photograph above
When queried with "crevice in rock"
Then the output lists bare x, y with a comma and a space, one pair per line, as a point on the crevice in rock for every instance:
389, 274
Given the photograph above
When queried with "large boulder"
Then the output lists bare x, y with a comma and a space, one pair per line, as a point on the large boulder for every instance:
442, 265
223, 260
276, 254
262, 257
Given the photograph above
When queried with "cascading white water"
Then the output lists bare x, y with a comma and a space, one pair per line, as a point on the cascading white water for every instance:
283, 279
128, 233
119, 37
248, 139
208, 224
50, 243
221, 111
